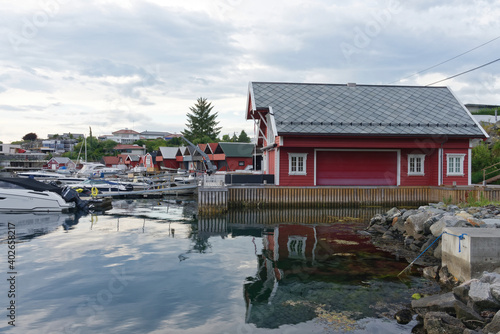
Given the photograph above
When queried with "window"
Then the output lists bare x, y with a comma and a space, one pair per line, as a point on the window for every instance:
455, 163
297, 163
296, 247
416, 164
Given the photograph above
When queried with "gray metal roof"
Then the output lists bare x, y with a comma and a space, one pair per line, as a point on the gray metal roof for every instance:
169, 152
300, 108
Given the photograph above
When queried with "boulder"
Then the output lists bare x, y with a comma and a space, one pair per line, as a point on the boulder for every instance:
440, 322
378, 229
414, 224
403, 316
494, 325
438, 251
435, 303
377, 219
438, 227
430, 272
480, 296
467, 314
398, 224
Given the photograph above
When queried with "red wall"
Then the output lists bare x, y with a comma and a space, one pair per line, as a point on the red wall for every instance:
233, 163
428, 146
296, 180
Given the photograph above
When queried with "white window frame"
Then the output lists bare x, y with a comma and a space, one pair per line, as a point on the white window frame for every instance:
297, 156
296, 246
417, 158
453, 156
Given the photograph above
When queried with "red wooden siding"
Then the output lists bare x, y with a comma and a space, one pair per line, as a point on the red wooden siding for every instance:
431, 168
355, 168
459, 180
296, 180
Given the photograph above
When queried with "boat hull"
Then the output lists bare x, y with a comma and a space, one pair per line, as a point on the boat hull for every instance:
25, 200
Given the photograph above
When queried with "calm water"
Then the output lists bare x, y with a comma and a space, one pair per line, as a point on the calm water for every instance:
152, 267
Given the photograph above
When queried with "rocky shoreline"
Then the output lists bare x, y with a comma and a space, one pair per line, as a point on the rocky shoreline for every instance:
461, 307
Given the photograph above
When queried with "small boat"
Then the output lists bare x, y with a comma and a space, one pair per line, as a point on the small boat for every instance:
19, 195
102, 186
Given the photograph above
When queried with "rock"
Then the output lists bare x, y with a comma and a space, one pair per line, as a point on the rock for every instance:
414, 224
473, 210
480, 296
438, 251
438, 227
495, 292
379, 229
407, 214
446, 221
492, 278
403, 316
491, 221
439, 205
445, 277
476, 222
431, 272
391, 214
428, 243
494, 325
461, 292
429, 222
436, 303
463, 215
467, 314
377, 219
399, 224
440, 322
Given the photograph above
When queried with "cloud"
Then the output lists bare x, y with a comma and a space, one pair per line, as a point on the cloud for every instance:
158, 57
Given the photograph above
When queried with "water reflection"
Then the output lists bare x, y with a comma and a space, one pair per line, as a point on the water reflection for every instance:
32, 225
185, 274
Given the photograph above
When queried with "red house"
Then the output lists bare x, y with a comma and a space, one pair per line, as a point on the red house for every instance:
362, 135
237, 156
167, 157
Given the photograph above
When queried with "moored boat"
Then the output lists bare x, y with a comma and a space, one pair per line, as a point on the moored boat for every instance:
18, 195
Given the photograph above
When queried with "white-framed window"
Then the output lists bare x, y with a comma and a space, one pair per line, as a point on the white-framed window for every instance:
416, 164
296, 247
455, 164
297, 163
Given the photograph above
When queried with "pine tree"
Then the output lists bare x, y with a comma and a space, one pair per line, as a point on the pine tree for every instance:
201, 122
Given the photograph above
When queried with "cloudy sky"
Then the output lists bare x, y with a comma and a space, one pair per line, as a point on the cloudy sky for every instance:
140, 64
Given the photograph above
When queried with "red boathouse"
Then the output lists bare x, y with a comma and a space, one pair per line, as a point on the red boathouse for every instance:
362, 135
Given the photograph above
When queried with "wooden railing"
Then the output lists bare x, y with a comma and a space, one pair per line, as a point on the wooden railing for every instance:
494, 178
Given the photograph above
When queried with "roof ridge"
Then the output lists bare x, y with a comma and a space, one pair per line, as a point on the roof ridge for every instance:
342, 85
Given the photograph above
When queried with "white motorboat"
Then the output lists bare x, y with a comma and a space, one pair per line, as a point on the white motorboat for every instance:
18, 195
91, 169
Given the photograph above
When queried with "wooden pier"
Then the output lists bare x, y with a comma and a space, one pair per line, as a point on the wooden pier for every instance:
213, 200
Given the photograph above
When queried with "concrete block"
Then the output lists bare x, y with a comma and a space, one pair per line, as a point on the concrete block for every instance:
468, 257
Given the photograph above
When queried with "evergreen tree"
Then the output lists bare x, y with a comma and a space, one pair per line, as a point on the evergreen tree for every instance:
243, 137
202, 122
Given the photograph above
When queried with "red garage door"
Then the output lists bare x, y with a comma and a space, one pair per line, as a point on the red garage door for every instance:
356, 168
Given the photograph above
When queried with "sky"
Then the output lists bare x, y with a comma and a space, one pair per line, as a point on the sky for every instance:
66, 65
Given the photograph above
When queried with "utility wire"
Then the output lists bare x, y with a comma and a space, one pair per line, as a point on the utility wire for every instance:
456, 75
441, 63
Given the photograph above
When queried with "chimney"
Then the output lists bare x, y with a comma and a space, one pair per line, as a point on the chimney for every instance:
351, 84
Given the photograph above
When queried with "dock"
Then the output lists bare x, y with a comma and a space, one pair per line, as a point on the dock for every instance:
214, 200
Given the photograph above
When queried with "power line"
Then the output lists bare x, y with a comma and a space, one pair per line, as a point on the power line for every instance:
456, 75
441, 63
